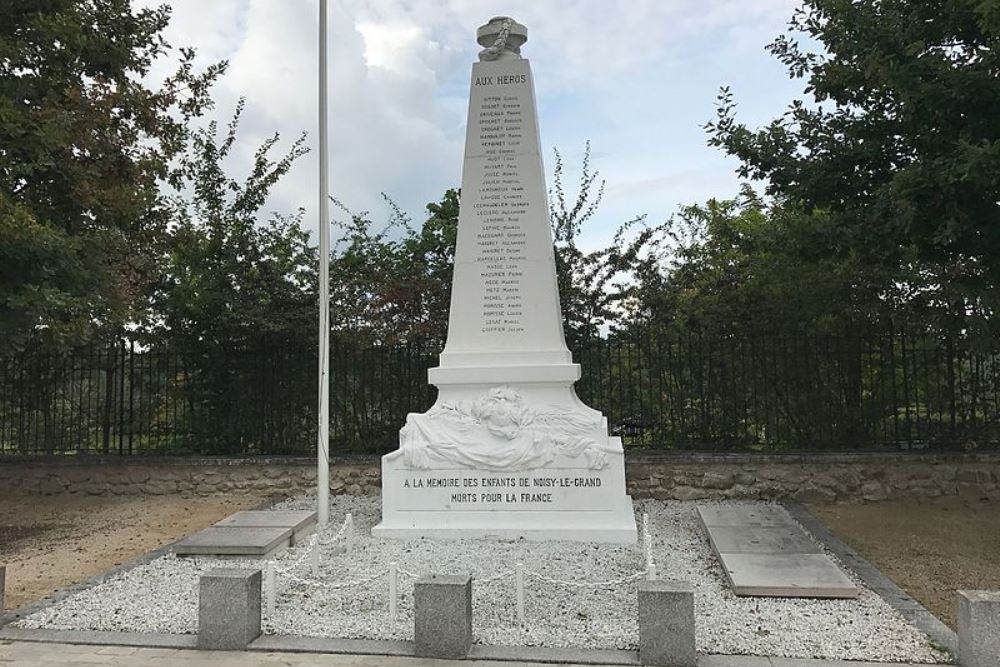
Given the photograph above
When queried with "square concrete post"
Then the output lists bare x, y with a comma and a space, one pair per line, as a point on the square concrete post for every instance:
666, 623
979, 628
228, 608
442, 616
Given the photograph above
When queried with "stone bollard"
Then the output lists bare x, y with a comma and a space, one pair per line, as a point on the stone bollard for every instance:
979, 628
228, 609
666, 623
442, 616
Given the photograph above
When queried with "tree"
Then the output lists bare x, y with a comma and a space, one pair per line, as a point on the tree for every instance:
598, 289
740, 265
231, 281
85, 144
237, 300
393, 285
901, 150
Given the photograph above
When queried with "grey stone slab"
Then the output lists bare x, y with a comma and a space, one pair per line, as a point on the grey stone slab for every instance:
761, 540
286, 518
302, 522
765, 516
235, 540
979, 628
442, 616
666, 623
228, 609
787, 575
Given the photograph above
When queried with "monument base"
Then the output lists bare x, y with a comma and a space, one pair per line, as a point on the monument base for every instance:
559, 501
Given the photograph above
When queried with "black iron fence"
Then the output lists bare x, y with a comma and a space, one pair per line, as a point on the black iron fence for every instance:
688, 390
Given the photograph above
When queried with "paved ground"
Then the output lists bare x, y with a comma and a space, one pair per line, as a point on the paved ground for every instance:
30, 654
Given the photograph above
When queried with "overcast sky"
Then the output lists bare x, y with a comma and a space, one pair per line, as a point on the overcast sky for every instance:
638, 78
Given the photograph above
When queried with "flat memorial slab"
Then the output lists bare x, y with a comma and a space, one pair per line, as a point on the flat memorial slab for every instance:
770, 516
754, 540
765, 552
259, 541
302, 522
787, 575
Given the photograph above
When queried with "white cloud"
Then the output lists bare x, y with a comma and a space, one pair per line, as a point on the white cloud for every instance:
637, 78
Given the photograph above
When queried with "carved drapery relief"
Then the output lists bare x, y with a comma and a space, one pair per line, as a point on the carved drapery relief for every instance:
498, 431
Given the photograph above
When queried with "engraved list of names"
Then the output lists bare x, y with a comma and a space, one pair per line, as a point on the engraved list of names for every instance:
501, 204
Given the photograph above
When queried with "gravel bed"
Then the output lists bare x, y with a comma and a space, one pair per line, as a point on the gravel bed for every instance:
162, 596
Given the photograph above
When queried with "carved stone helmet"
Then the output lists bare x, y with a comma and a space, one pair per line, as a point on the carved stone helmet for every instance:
503, 37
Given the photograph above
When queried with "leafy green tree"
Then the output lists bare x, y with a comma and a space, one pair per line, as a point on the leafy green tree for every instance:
393, 285
84, 144
900, 153
237, 300
740, 264
598, 289
231, 281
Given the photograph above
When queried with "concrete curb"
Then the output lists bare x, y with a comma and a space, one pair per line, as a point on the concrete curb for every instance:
513, 654
914, 612
100, 638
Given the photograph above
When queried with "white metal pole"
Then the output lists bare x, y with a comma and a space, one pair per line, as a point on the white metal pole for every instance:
323, 443
519, 591
271, 585
393, 595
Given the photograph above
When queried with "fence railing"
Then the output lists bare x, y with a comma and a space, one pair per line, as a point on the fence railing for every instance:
679, 390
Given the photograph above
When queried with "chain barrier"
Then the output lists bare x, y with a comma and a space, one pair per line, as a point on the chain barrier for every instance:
394, 571
334, 586
587, 584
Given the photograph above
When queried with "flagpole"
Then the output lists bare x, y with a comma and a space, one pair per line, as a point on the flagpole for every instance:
323, 438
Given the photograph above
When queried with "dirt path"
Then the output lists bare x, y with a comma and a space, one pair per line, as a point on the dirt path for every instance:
930, 549
49, 542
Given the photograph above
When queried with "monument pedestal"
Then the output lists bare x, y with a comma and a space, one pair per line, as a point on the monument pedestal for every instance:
508, 450
557, 502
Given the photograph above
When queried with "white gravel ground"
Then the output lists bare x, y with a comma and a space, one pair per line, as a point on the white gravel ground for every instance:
162, 596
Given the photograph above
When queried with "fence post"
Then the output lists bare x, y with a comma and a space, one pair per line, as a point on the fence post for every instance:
272, 592
228, 609
519, 585
393, 579
978, 616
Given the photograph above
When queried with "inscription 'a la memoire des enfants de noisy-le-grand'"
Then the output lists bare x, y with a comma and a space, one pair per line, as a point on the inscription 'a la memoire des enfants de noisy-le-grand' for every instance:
508, 450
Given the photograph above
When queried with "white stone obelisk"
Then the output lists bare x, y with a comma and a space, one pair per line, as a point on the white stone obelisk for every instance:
508, 450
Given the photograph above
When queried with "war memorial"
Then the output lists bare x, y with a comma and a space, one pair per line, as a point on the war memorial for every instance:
508, 450
504, 529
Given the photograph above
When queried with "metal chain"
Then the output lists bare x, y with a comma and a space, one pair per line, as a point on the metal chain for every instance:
312, 543
337, 585
586, 584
